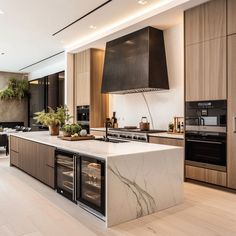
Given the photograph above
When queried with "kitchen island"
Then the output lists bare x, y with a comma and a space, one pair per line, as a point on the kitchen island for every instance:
140, 178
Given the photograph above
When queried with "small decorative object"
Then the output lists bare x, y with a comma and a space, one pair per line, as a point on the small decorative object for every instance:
66, 129
83, 132
171, 127
144, 125
114, 120
71, 130
54, 119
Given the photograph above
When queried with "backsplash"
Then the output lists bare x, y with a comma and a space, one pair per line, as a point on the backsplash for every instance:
164, 105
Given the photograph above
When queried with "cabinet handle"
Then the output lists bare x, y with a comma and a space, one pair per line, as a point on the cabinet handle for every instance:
234, 124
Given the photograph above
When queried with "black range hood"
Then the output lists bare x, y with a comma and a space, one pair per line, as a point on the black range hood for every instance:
136, 63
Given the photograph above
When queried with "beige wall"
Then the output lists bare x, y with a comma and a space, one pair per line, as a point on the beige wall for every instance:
13, 110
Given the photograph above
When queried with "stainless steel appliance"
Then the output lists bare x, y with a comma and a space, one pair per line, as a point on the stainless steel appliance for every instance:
133, 134
205, 116
206, 134
83, 116
206, 149
81, 179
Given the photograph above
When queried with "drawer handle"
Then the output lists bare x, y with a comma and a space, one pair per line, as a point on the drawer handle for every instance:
203, 141
234, 124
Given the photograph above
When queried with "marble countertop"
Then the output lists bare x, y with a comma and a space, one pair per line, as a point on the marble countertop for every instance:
167, 135
93, 147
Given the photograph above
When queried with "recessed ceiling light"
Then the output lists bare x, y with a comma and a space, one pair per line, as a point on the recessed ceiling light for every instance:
142, 2
1, 12
93, 27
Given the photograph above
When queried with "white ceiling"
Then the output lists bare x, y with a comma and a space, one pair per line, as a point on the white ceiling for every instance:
27, 25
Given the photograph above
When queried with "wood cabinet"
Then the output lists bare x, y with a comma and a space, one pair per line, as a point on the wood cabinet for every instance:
194, 25
14, 143
45, 164
97, 132
88, 67
166, 141
194, 67
206, 70
206, 175
231, 17
231, 141
14, 158
215, 19
34, 158
82, 78
215, 69
205, 22
205, 52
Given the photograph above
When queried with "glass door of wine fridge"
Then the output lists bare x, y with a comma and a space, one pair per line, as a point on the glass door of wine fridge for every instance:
91, 183
65, 181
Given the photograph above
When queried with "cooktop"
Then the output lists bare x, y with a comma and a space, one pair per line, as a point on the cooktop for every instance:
136, 130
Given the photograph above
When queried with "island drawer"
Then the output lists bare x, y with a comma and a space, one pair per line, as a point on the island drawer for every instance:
14, 158
205, 175
14, 143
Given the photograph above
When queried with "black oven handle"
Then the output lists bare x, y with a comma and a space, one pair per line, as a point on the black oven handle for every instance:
201, 141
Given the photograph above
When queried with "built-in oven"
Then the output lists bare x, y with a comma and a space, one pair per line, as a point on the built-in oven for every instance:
65, 178
83, 116
205, 149
91, 183
205, 135
206, 116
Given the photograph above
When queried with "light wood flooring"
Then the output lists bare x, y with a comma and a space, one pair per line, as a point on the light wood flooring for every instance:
29, 208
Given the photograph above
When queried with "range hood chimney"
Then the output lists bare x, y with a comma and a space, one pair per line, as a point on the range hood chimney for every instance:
136, 63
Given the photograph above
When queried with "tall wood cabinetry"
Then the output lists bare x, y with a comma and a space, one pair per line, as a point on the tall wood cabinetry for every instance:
88, 71
231, 68
210, 71
205, 51
34, 158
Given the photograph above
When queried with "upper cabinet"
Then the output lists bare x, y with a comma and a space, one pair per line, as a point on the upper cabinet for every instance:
205, 52
215, 69
194, 25
82, 78
206, 70
194, 83
205, 22
231, 17
88, 71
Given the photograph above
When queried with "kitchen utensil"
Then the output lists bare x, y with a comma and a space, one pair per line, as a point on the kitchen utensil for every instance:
144, 125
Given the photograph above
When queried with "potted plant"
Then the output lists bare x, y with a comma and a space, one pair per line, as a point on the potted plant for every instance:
53, 118
71, 129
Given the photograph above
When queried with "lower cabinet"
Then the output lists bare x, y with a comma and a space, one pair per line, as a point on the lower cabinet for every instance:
167, 141
97, 133
206, 175
34, 158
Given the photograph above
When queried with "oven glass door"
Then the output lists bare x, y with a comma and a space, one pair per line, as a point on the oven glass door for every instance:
206, 151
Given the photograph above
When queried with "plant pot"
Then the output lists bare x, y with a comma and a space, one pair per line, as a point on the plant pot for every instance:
66, 134
53, 130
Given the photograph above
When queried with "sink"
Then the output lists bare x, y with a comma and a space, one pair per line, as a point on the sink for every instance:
111, 140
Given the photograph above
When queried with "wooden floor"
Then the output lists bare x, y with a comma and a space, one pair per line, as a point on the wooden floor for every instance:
28, 207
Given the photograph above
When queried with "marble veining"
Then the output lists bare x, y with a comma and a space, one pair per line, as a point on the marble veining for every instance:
145, 202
